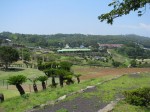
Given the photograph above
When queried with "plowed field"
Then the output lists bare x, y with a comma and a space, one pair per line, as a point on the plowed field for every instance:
94, 72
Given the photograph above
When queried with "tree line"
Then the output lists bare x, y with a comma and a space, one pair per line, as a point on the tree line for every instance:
74, 40
52, 70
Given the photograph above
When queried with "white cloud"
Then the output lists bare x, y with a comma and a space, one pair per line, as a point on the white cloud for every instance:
140, 26
129, 26
144, 26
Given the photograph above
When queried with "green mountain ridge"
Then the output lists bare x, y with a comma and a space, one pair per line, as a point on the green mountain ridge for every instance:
74, 40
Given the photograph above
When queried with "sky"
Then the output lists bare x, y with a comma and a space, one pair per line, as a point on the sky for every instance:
68, 17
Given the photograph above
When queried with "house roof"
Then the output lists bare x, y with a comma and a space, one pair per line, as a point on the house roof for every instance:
73, 50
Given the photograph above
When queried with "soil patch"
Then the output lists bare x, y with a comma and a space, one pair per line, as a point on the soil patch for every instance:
79, 104
100, 72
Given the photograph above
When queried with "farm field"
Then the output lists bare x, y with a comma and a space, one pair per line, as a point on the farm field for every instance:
94, 72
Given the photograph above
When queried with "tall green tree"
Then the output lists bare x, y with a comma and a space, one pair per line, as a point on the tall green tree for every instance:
8, 55
124, 7
17, 81
64, 75
65, 65
51, 73
49, 69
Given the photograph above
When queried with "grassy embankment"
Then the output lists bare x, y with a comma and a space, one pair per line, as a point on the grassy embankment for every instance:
19, 104
118, 57
112, 90
107, 92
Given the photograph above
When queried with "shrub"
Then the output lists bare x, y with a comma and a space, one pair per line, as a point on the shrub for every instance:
133, 63
116, 64
138, 97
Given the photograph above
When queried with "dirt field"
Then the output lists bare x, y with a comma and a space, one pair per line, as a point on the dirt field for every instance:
95, 72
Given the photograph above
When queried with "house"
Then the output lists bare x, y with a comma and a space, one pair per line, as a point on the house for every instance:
110, 45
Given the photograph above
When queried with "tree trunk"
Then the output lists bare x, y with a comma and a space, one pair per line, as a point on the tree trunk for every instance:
78, 79
26, 65
53, 82
43, 85
61, 80
69, 81
6, 66
20, 89
1, 97
35, 88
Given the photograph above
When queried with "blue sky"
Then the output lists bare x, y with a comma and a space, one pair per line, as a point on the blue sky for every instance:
67, 16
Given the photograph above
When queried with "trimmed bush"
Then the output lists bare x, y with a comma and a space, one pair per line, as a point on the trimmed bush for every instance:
138, 97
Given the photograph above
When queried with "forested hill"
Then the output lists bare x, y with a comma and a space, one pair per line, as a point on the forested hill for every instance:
74, 40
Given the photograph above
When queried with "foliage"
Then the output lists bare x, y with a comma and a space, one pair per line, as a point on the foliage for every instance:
124, 7
53, 42
133, 50
116, 63
17, 79
126, 107
8, 55
133, 63
65, 65
25, 54
42, 78
145, 64
61, 70
138, 97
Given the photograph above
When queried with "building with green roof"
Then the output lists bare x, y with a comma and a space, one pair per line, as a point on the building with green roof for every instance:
75, 50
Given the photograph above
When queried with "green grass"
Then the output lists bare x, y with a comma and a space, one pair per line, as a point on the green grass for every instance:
9, 93
19, 104
122, 106
62, 110
106, 92
119, 57
111, 90
29, 72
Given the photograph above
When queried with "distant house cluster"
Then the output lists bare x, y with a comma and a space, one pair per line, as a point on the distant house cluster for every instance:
110, 45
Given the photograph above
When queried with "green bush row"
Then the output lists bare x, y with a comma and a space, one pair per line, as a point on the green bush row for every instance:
138, 97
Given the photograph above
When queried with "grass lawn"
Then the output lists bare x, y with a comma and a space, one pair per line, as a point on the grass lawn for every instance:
122, 106
9, 93
119, 57
29, 72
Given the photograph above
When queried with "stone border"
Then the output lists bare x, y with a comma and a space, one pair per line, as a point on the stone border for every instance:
37, 107
110, 106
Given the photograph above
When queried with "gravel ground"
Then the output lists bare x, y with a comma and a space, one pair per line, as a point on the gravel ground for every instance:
77, 104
